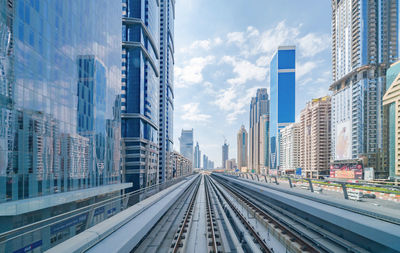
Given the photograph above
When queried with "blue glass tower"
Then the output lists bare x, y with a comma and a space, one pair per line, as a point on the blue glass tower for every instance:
282, 105
140, 91
60, 120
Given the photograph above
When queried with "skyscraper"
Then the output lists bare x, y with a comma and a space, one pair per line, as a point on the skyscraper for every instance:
205, 162
140, 91
283, 97
290, 148
60, 113
364, 43
186, 144
197, 156
391, 102
242, 149
315, 137
259, 109
165, 127
225, 153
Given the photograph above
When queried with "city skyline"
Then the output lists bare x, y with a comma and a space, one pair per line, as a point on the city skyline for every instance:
218, 71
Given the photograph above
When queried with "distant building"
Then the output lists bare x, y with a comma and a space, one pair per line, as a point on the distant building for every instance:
225, 154
205, 162
283, 97
230, 164
186, 144
197, 156
181, 165
315, 137
391, 102
242, 149
258, 136
364, 43
210, 165
264, 143
290, 148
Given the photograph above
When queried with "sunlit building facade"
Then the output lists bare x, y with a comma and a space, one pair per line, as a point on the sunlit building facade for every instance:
364, 44
197, 156
290, 148
60, 126
242, 149
315, 138
283, 98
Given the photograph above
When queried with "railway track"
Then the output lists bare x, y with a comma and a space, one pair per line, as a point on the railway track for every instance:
181, 234
304, 232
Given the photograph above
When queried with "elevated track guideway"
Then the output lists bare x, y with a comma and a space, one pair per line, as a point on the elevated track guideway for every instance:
217, 213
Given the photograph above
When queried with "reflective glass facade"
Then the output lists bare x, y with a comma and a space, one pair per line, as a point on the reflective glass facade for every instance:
140, 91
186, 144
60, 72
283, 97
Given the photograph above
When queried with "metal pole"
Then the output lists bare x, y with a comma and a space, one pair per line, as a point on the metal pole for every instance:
276, 180
265, 177
290, 182
258, 179
344, 190
311, 186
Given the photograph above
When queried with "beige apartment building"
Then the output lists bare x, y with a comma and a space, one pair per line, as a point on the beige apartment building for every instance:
242, 149
290, 148
315, 137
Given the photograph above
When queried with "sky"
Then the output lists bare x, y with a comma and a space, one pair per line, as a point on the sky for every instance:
222, 53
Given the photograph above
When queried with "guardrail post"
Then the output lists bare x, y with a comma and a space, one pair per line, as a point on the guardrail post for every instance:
265, 177
276, 180
290, 182
311, 186
346, 196
251, 175
258, 179
247, 176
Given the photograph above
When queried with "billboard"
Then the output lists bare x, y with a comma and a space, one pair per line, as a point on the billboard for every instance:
348, 171
343, 141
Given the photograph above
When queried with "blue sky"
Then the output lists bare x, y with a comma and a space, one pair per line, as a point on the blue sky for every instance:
222, 54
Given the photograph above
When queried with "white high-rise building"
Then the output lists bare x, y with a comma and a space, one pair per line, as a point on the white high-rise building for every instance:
290, 148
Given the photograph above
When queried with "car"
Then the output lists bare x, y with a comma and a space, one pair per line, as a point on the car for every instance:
369, 196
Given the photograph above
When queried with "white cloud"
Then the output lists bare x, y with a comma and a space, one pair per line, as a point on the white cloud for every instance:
233, 102
191, 73
312, 44
303, 69
204, 45
191, 112
235, 37
244, 70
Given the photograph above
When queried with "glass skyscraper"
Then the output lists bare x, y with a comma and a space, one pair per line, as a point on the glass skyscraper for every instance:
259, 111
186, 144
167, 17
364, 43
140, 91
283, 97
60, 72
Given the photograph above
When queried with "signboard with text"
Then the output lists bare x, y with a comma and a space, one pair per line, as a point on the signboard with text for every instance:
346, 171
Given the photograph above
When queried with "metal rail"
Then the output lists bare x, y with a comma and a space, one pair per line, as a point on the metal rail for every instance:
186, 219
210, 218
172, 216
252, 200
253, 232
305, 245
374, 215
